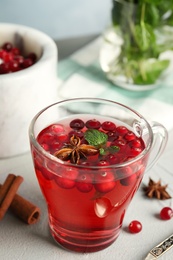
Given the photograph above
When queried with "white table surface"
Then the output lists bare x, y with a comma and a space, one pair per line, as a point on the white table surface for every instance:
19, 241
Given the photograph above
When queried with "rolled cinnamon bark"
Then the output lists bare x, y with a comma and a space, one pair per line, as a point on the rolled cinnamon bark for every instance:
25, 210
8, 191
21, 207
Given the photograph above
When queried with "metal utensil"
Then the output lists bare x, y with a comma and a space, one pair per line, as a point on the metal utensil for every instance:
160, 249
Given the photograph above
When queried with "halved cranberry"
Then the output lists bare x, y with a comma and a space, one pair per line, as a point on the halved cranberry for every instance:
104, 181
84, 182
108, 126
93, 124
77, 124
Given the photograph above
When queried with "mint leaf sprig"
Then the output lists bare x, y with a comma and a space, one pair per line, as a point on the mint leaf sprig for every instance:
99, 139
138, 21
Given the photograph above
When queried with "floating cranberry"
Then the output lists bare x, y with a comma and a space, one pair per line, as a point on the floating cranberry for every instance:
68, 179
93, 124
130, 136
56, 128
108, 126
128, 176
135, 226
46, 138
112, 159
122, 130
166, 213
103, 163
135, 143
112, 135
104, 181
135, 151
76, 133
84, 182
77, 124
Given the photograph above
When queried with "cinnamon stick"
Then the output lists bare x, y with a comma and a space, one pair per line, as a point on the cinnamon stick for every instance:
21, 207
8, 191
25, 210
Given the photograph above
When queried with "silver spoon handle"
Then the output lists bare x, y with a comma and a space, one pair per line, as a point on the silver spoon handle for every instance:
160, 249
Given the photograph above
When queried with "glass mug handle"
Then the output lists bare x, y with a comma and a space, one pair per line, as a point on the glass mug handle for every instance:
160, 138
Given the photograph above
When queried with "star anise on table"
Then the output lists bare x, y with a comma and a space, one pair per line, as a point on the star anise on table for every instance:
74, 150
156, 190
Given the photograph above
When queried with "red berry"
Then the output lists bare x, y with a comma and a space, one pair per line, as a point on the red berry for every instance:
68, 178
103, 163
112, 136
32, 56
27, 63
135, 226
56, 129
84, 183
104, 181
13, 66
129, 136
122, 130
7, 46
93, 124
4, 68
166, 213
77, 124
15, 51
76, 133
108, 126
128, 176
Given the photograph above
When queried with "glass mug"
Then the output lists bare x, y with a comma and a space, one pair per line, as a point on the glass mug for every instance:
87, 202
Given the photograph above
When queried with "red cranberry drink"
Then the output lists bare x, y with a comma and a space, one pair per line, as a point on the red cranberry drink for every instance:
89, 166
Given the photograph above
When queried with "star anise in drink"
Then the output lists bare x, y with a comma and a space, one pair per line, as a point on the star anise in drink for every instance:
74, 150
156, 190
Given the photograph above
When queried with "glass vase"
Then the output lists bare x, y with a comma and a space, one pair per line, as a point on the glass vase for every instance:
137, 49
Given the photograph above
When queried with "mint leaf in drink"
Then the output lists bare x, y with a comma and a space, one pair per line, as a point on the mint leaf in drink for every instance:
113, 149
95, 137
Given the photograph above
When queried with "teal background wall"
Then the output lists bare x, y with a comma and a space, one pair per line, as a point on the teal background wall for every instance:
58, 18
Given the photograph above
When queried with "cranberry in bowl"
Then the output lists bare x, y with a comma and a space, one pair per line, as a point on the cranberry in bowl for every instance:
28, 82
90, 156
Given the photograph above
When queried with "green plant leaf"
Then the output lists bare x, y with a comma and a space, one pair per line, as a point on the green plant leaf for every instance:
150, 71
95, 137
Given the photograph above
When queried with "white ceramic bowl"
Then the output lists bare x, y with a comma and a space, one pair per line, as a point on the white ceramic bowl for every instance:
24, 93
